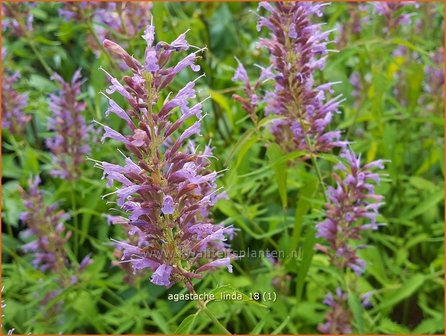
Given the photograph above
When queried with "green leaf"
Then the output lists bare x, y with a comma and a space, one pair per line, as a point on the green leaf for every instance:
86, 307
303, 206
279, 329
308, 252
387, 326
186, 325
223, 102
90, 204
274, 152
259, 326
10, 168
430, 326
355, 305
160, 321
228, 290
245, 147
406, 290
242, 146
31, 164
430, 202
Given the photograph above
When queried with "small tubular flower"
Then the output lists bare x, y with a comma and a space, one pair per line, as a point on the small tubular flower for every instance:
13, 104
166, 188
70, 142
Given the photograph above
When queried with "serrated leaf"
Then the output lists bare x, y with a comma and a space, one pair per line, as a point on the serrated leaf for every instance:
355, 305
186, 325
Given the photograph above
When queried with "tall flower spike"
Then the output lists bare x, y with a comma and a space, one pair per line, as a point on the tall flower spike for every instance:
46, 224
13, 104
17, 17
297, 49
350, 30
435, 74
167, 189
352, 200
70, 143
125, 18
392, 13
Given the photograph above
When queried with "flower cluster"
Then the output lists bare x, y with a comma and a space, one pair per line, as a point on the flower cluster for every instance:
17, 18
167, 188
70, 143
77, 10
250, 102
46, 224
352, 28
297, 49
393, 13
13, 103
356, 82
435, 74
124, 18
339, 318
352, 200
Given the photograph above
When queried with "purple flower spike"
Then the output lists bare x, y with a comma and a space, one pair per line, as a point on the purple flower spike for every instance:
70, 143
46, 225
392, 13
167, 187
126, 18
435, 74
297, 49
17, 18
13, 104
353, 199
339, 318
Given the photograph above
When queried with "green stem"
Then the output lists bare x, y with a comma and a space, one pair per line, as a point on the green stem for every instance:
208, 313
39, 56
213, 318
316, 167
